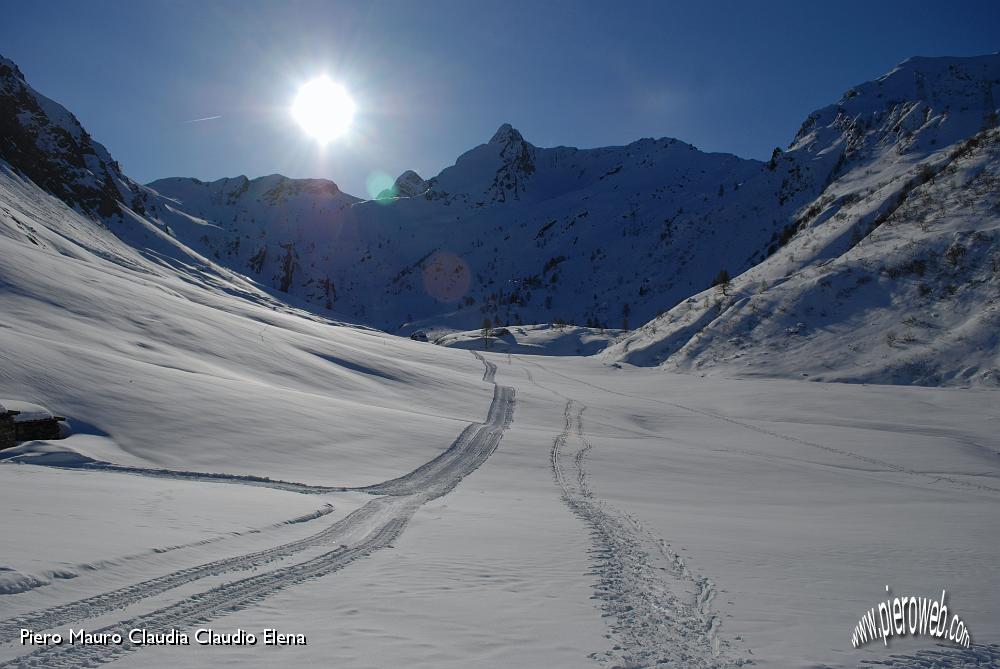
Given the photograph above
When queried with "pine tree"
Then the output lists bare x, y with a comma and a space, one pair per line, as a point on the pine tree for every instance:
722, 281
487, 331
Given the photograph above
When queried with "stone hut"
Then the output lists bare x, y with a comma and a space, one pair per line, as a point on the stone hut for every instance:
23, 421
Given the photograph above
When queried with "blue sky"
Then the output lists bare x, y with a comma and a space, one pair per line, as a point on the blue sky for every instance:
435, 78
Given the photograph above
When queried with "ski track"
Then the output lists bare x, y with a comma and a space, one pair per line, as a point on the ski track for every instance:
372, 527
662, 613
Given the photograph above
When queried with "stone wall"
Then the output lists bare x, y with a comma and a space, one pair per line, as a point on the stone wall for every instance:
36, 429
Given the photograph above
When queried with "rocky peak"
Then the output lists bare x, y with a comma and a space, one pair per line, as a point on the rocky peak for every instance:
9, 68
409, 184
506, 134
517, 164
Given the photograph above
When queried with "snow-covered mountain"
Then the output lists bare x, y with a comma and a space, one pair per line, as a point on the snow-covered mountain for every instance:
892, 273
154, 351
613, 237
511, 232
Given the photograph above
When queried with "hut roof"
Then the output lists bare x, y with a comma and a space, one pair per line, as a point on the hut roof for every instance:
27, 412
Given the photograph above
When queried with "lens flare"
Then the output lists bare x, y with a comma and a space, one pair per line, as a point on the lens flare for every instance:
380, 186
446, 277
323, 109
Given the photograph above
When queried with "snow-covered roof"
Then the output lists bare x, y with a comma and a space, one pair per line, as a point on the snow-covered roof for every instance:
27, 411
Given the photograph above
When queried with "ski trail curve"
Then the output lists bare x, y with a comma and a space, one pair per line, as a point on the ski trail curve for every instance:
661, 613
476, 443
402, 485
226, 598
368, 529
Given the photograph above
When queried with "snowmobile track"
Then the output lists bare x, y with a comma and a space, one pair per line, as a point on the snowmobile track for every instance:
403, 485
380, 520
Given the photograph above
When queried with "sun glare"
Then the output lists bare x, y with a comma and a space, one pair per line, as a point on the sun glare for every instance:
323, 109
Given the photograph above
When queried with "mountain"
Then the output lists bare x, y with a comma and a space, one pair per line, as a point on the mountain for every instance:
511, 232
153, 351
607, 237
866, 250
892, 273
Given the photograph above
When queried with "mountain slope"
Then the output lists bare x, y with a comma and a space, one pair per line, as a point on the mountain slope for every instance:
892, 274
670, 520
152, 359
154, 350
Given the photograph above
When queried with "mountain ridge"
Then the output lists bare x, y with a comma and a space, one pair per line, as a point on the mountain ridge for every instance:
515, 233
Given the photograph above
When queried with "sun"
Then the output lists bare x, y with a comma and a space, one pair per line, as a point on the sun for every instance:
324, 109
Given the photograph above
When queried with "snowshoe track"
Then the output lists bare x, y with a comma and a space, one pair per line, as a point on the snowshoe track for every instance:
661, 613
623, 656
884, 464
942, 657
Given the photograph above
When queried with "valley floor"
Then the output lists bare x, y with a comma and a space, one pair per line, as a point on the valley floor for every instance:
585, 516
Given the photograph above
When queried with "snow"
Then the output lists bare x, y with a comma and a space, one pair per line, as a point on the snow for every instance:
239, 461
114, 348
793, 503
26, 411
613, 237
545, 233
116, 520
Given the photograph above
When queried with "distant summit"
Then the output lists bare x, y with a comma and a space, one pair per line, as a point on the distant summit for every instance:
506, 134
408, 184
